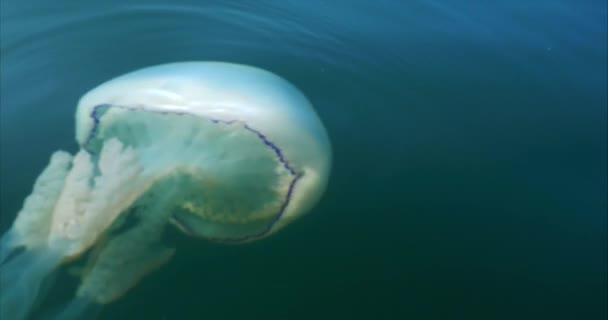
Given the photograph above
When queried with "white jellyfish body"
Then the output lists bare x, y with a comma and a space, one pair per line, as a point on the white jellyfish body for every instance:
222, 151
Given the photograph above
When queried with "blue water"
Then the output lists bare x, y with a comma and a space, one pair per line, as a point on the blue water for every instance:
469, 138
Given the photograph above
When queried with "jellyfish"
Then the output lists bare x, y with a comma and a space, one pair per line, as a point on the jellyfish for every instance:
220, 151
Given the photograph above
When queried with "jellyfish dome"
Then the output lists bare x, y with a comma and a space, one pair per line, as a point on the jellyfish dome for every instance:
221, 151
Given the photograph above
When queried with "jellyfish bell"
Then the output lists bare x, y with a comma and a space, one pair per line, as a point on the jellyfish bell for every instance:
221, 151
241, 107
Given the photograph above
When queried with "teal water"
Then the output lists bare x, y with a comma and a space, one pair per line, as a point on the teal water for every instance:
470, 148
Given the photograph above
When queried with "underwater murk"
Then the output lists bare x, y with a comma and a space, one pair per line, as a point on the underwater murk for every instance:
348, 159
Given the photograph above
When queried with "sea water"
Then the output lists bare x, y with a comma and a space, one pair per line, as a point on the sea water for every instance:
469, 139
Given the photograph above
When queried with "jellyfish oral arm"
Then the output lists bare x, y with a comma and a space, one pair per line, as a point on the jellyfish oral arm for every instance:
21, 275
89, 205
69, 209
126, 258
31, 228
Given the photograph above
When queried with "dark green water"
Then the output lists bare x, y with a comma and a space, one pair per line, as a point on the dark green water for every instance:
470, 147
